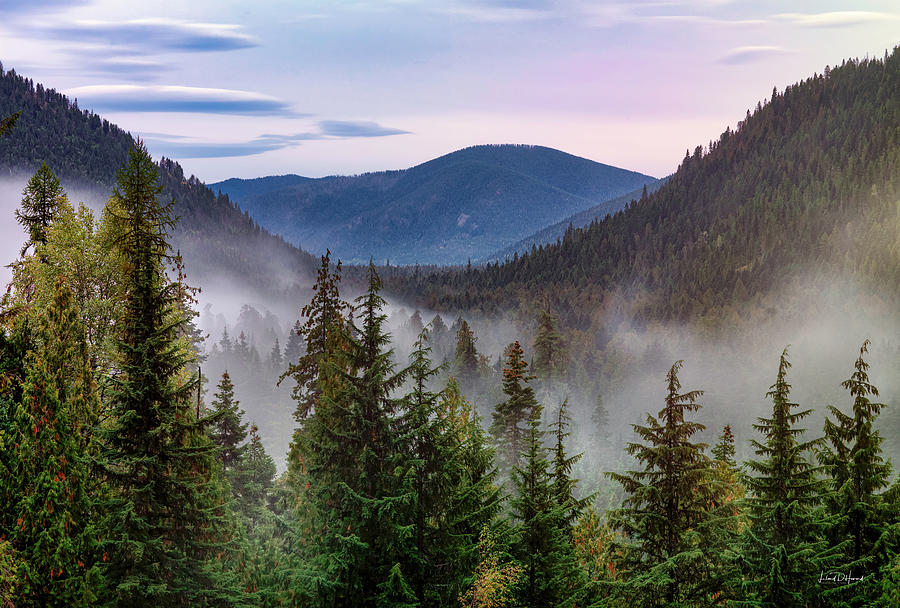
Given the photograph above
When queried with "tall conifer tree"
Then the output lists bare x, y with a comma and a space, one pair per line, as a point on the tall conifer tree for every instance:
783, 549
166, 523
510, 416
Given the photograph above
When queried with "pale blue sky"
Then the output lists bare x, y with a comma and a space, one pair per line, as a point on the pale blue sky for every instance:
320, 87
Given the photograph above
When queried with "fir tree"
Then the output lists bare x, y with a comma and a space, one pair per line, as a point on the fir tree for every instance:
724, 450
53, 532
550, 575
226, 428
275, 360
858, 474
783, 549
293, 348
156, 456
466, 358
510, 416
41, 200
549, 355
563, 483
670, 553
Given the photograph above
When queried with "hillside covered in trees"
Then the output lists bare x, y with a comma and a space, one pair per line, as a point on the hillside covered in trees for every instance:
217, 239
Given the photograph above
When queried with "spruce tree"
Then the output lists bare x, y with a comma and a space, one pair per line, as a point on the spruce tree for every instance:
166, 523
549, 354
226, 428
293, 347
41, 200
858, 476
724, 449
466, 358
542, 545
563, 483
511, 415
783, 549
670, 545
53, 531
324, 314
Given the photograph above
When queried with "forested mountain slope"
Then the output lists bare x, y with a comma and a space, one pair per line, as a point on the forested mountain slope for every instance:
581, 219
807, 185
217, 239
464, 205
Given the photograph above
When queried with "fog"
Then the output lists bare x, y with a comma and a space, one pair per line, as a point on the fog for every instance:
733, 361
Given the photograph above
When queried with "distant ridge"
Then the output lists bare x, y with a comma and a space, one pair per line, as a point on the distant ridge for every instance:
459, 207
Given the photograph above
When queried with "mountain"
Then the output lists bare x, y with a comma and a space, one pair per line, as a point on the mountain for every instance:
458, 207
581, 219
807, 187
218, 240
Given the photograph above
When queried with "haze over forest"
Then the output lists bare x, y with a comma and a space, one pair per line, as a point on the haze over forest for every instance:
487, 374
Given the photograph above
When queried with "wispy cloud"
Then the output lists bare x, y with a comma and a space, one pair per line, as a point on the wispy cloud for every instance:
37, 5
749, 54
343, 128
155, 34
495, 14
153, 98
835, 18
180, 146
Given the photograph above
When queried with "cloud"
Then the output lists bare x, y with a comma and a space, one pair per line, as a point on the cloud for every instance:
495, 14
155, 34
152, 98
180, 146
835, 18
343, 128
37, 5
749, 54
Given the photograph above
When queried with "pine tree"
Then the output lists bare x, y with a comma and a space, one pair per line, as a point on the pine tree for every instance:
293, 348
724, 450
226, 428
466, 358
156, 455
275, 360
549, 355
858, 474
41, 200
510, 416
350, 450
550, 576
324, 314
563, 483
783, 549
53, 530
671, 554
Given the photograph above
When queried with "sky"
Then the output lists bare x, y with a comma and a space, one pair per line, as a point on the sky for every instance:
323, 87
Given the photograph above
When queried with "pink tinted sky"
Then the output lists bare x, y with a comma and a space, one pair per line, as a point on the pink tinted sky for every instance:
319, 87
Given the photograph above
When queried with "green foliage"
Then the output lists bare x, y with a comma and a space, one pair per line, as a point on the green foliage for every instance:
497, 578
858, 474
53, 533
673, 523
41, 201
510, 416
156, 456
784, 549
226, 428
550, 574
549, 353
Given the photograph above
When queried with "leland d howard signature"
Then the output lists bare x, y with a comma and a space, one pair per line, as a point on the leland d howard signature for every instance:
838, 578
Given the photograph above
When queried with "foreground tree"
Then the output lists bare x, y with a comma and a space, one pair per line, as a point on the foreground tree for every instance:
166, 523
53, 530
861, 532
674, 527
783, 549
